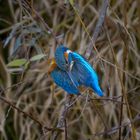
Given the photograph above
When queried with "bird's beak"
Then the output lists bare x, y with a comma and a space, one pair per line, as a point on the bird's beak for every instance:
66, 55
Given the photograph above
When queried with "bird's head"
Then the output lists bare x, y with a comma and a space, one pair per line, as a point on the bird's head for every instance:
61, 56
66, 55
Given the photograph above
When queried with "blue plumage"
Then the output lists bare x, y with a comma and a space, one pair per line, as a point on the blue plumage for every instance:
62, 79
84, 73
77, 69
60, 59
63, 64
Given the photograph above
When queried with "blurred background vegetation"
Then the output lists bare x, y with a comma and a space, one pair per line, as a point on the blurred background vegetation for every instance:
26, 42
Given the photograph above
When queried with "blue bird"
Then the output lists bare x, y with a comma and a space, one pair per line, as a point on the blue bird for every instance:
62, 63
62, 79
77, 68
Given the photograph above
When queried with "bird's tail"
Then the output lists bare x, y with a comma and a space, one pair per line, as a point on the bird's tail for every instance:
97, 89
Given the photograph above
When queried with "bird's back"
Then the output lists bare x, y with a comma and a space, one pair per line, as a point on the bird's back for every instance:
84, 73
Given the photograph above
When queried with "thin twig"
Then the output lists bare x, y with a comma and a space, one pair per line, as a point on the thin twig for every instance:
97, 28
108, 99
101, 117
114, 129
66, 133
28, 115
120, 118
19, 110
36, 16
124, 38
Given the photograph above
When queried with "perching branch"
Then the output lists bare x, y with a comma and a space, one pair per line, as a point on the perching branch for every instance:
62, 120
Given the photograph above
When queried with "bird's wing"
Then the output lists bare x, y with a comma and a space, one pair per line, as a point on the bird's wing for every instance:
84, 71
62, 79
70, 64
82, 62
73, 79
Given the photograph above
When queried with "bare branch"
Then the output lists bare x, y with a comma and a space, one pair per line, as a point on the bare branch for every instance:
115, 129
97, 30
19, 110
28, 115
29, 7
62, 120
